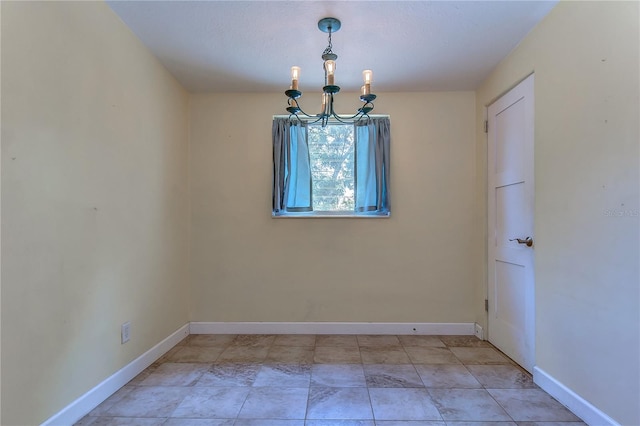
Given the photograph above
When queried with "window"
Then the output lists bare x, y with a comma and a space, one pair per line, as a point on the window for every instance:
331, 157
339, 170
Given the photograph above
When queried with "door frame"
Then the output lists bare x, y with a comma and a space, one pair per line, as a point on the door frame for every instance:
530, 178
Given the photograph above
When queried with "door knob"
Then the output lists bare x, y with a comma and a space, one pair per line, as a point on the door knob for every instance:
528, 241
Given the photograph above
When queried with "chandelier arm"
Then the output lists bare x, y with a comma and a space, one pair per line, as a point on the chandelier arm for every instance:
319, 117
304, 113
300, 120
363, 116
360, 114
293, 117
307, 117
341, 118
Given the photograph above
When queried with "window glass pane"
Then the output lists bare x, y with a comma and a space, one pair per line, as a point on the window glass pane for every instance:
331, 152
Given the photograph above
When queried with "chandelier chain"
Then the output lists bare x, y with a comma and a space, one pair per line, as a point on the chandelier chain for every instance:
328, 49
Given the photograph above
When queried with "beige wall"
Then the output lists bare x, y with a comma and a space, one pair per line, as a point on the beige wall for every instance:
585, 58
415, 266
94, 203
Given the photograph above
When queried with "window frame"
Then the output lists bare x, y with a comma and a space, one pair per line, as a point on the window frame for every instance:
354, 214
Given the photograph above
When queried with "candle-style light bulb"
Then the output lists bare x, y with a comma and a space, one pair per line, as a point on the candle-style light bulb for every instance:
295, 75
367, 76
330, 68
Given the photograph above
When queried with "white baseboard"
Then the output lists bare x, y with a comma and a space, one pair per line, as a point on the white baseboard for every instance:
87, 402
479, 331
331, 328
574, 402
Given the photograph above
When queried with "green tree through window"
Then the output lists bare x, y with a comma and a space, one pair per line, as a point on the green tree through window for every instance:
331, 151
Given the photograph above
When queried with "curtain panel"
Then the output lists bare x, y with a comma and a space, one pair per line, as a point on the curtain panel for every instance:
292, 181
372, 161
291, 167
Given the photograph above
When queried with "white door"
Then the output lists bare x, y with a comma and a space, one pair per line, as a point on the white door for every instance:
510, 205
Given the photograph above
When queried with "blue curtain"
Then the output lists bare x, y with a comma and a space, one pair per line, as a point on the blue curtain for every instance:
373, 137
291, 167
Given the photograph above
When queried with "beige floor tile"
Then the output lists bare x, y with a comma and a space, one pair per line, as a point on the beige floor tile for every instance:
429, 341
167, 355
337, 375
121, 421
447, 376
220, 340
290, 354
230, 375
339, 404
268, 422
481, 424
275, 403
175, 374
284, 375
240, 354
378, 341
253, 340
467, 405
198, 354
296, 340
465, 341
431, 355
532, 405
470, 355
341, 423
392, 376
152, 401
384, 355
199, 422
580, 423
501, 376
337, 355
340, 341
183, 342
212, 403
101, 409
403, 404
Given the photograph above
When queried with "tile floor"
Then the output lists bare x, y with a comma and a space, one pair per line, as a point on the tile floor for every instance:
328, 380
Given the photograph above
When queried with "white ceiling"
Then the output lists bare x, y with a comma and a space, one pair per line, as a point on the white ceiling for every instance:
249, 46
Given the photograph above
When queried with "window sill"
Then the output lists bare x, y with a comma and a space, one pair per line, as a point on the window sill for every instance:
343, 215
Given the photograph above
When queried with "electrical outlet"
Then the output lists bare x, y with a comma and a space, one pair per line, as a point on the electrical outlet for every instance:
125, 332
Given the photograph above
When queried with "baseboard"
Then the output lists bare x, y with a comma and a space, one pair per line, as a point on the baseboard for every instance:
574, 402
479, 331
331, 328
87, 402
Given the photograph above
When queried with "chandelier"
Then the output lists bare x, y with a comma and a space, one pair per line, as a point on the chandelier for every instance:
329, 25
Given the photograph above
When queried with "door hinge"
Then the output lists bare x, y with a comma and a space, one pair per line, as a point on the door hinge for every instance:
486, 305
486, 126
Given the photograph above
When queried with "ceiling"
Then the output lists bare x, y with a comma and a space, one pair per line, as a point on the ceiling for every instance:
249, 46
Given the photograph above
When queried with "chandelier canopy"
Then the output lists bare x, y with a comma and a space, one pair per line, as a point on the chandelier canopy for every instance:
329, 25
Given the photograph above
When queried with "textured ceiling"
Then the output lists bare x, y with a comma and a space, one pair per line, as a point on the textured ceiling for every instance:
249, 46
